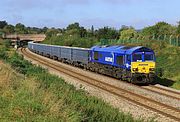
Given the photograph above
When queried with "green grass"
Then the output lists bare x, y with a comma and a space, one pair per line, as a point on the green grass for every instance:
169, 60
37, 95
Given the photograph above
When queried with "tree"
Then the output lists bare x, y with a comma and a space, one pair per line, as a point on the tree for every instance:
160, 28
3, 24
83, 32
166, 30
73, 32
51, 32
44, 30
128, 34
149, 31
178, 28
73, 26
76, 29
20, 29
107, 33
123, 27
92, 30
8, 29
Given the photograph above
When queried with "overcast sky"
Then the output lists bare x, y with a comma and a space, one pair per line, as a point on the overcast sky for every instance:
113, 13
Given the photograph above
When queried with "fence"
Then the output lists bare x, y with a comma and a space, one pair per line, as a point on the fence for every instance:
170, 39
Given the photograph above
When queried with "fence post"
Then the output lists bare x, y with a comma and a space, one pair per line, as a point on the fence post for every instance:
170, 40
165, 37
177, 40
159, 37
153, 36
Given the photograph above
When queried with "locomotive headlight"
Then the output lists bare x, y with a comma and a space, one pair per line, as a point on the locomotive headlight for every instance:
135, 69
151, 69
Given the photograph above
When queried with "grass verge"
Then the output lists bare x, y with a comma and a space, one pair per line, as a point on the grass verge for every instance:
33, 94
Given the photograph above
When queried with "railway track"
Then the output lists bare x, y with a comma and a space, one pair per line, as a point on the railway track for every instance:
163, 91
160, 108
157, 89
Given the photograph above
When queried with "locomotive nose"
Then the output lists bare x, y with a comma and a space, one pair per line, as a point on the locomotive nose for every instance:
142, 67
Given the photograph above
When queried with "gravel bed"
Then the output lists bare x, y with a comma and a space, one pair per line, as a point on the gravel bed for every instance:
124, 85
163, 91
160, 98
168, 88
123, 105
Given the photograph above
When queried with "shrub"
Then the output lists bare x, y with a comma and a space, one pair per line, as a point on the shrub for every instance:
18, 63
3, 54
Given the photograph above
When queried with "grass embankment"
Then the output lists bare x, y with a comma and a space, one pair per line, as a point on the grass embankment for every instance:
39, 96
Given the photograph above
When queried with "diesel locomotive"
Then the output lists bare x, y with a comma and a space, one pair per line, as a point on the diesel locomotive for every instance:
133, 64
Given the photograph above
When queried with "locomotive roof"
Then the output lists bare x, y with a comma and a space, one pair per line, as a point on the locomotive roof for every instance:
121, 49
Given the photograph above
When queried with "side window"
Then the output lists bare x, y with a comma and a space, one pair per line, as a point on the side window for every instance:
119, 60
128, 58
100, 55
95, 55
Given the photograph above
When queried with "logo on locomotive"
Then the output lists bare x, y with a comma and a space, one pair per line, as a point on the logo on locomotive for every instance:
109, 59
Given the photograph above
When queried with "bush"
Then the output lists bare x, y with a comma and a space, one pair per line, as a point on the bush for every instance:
7, 43
18, 63
3, 54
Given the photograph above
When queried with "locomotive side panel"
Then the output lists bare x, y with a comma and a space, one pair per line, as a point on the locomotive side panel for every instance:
103, 57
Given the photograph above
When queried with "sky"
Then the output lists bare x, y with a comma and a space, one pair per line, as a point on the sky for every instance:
99, 13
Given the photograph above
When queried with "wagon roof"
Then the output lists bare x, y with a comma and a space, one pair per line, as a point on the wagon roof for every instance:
79, 48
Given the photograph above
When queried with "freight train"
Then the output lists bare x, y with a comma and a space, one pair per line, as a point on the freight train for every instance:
133, 64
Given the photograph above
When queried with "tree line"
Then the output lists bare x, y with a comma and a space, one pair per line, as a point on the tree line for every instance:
76, 35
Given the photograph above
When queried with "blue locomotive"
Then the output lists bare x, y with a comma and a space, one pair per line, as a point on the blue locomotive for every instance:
133, 64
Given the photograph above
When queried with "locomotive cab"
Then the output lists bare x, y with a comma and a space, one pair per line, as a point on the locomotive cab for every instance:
143, 65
